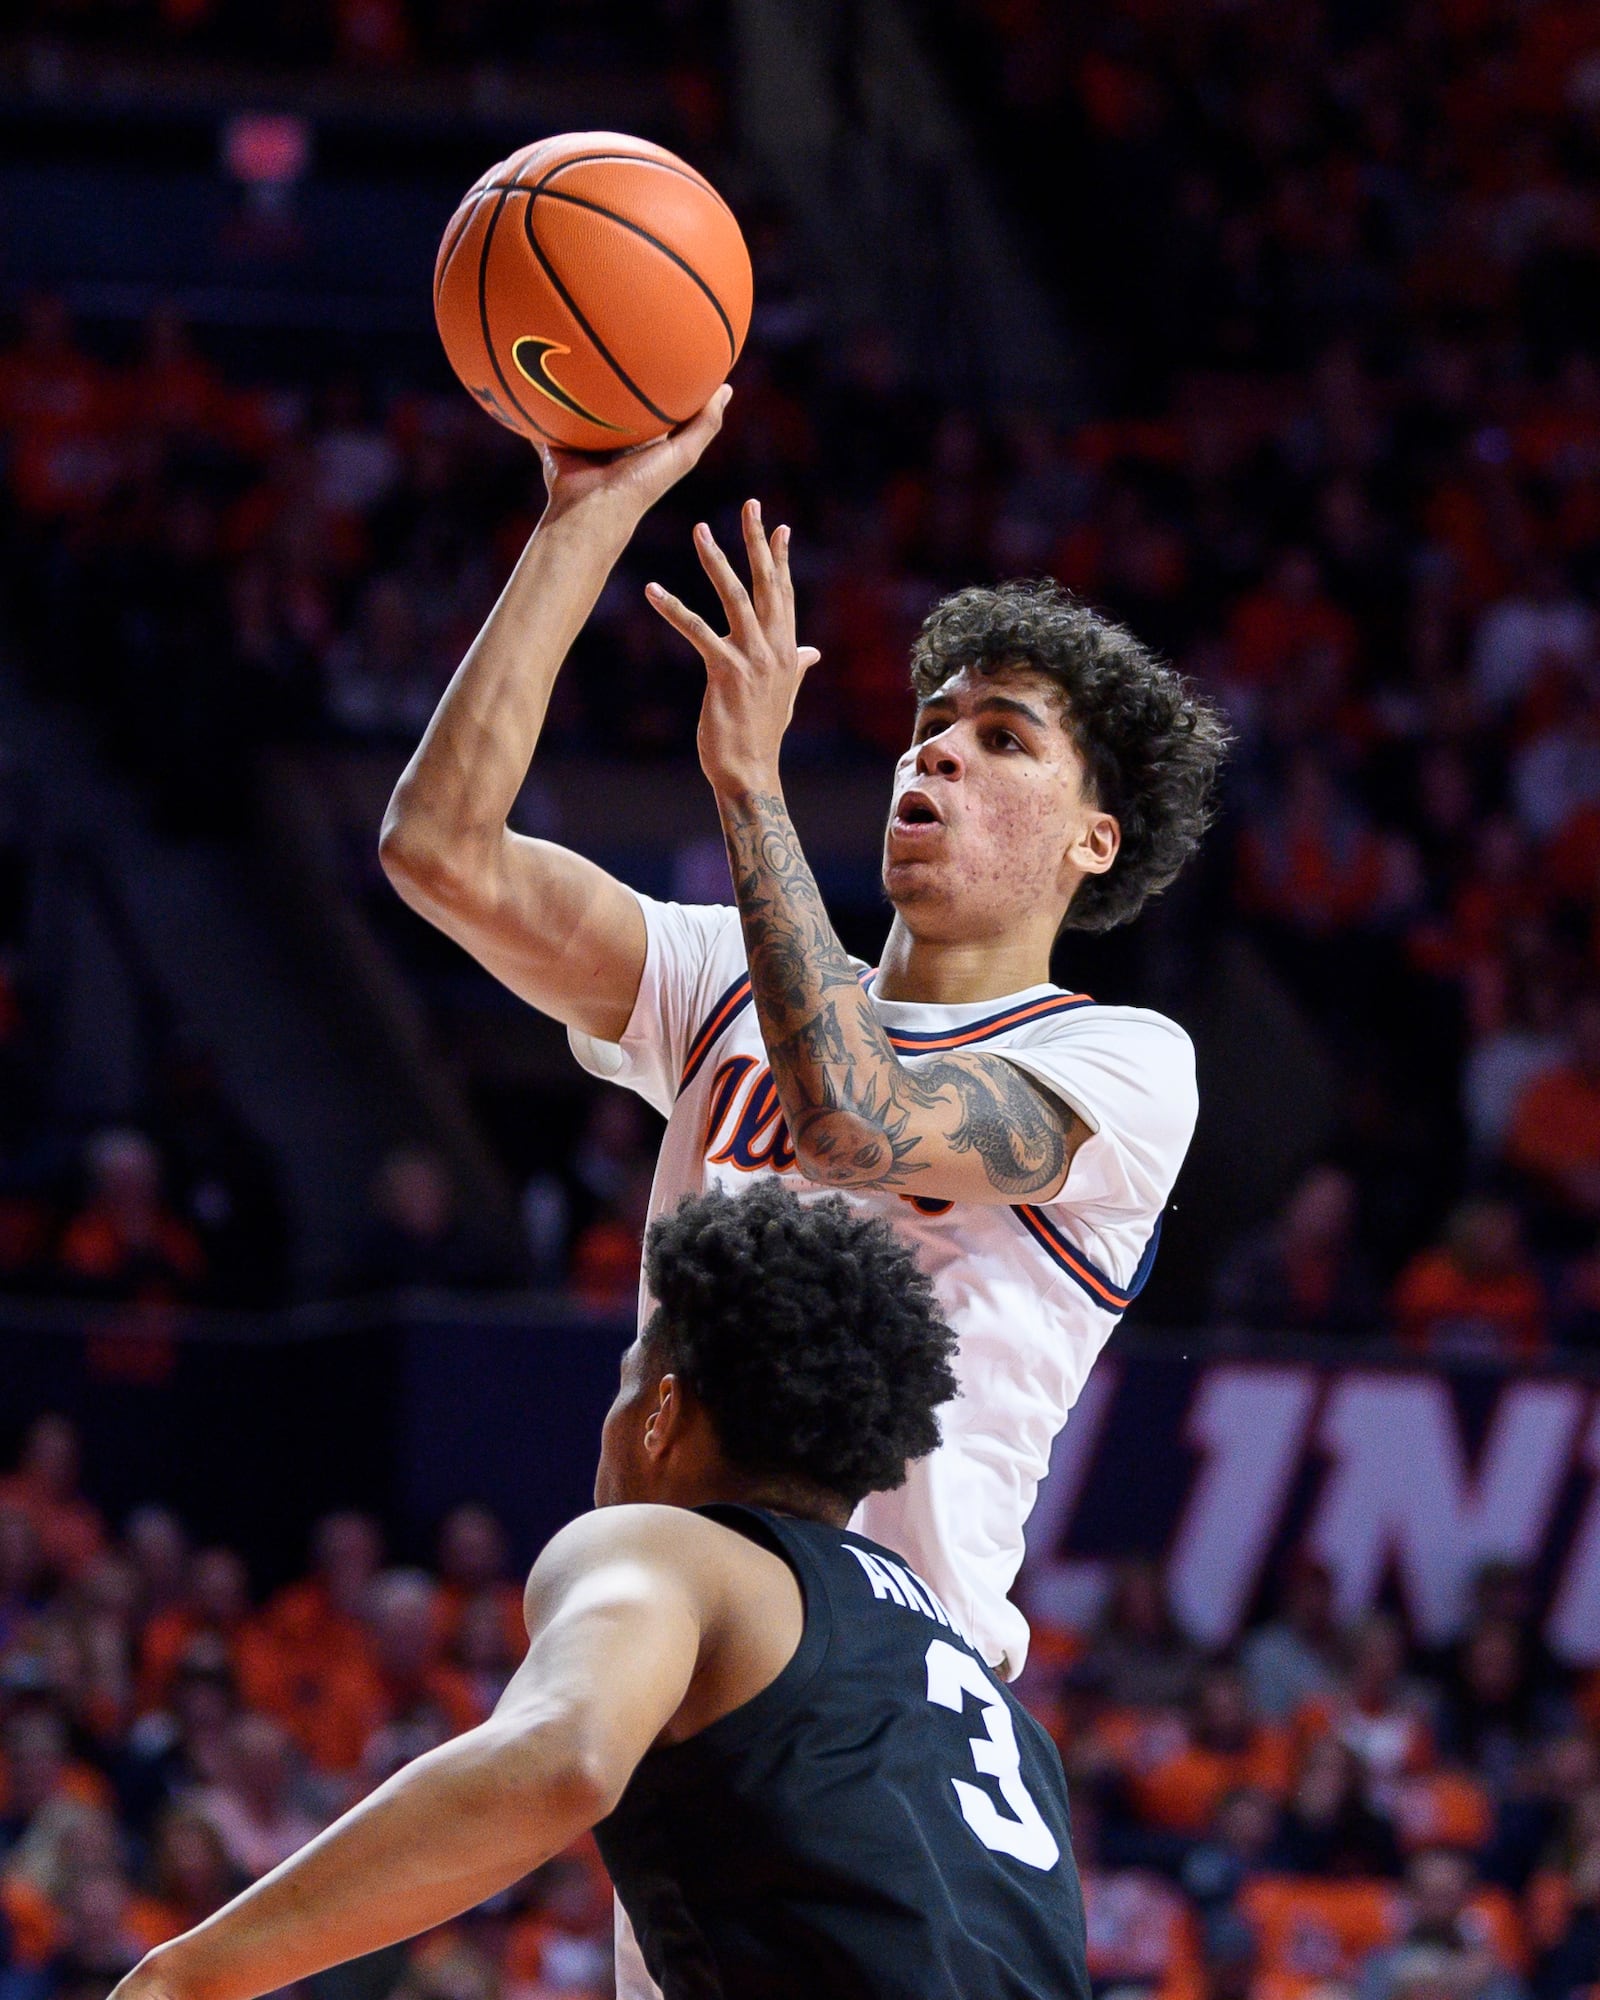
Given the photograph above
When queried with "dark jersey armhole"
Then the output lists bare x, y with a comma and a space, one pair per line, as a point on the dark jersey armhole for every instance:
754, 1718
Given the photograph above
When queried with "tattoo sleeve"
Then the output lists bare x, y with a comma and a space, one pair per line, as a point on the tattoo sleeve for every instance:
860, 1117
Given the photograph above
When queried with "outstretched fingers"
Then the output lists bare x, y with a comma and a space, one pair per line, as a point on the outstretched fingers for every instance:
708, 644
781, 574
743, 623
763, 572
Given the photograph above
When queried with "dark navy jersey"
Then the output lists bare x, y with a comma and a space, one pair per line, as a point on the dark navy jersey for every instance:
884, 1822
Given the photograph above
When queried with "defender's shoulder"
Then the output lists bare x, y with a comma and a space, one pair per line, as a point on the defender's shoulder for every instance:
634, 1546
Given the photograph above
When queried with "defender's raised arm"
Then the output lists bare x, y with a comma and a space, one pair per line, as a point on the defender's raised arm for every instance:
615, 1614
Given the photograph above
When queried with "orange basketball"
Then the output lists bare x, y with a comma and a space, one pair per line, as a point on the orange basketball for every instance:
592, 290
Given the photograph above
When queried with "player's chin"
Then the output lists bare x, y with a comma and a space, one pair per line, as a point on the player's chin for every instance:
915, 879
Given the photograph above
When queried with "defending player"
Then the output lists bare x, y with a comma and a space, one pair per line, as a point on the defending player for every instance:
803, 1781
1023, 1138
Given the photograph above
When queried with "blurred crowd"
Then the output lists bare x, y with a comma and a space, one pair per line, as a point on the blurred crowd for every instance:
165, 1738
1329, 1811
1321, 1812
1336, 293
375, 36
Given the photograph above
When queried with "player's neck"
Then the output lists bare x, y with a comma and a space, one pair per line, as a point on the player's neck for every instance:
938, 973
807, 1502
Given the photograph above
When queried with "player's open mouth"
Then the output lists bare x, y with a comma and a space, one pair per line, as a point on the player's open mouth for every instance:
914, 814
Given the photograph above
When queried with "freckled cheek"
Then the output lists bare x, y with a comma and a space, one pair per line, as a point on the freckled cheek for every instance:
1024, 838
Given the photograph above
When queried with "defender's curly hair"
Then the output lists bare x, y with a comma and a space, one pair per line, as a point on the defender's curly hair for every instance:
1151, 741
809, 1332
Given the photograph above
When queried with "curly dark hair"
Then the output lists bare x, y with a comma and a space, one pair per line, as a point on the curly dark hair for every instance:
809, 1332
1151, 741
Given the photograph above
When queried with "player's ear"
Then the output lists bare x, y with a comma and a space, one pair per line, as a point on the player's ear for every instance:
1095, 845
665, 1422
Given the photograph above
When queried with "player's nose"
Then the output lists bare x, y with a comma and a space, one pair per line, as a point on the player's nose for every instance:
939, 756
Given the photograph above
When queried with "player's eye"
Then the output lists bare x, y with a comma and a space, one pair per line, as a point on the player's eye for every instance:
1004, 739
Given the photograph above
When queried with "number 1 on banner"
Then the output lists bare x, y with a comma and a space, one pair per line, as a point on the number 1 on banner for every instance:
952, 1676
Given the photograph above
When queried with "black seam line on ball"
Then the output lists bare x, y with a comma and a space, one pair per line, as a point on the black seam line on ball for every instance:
590, 159
483, 316
684, 173
571, 305
451, 247
596, 208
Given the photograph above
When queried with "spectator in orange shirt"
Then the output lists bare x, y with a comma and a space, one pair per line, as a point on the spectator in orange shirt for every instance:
62, 462
1224, 1747
44, 1487
1275, 626
605, 1257
216, 1604
1313, 864
125, 1243
1313, 1933
1554, 1138
483, 1654
1477, 1291
417, 1699
173, 390
472, 1564
374, 1703
325, 1613
309, 1659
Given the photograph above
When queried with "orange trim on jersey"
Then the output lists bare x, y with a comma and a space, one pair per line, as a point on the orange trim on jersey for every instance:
732, 1003
1063, 1252
918, 1041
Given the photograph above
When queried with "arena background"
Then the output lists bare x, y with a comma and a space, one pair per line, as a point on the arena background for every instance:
1269, 328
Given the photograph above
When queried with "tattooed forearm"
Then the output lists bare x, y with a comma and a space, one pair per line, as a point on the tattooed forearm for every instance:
859, 1117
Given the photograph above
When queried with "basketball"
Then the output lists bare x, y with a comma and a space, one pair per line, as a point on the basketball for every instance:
592, 291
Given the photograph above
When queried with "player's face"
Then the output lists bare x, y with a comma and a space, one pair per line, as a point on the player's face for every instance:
992, 824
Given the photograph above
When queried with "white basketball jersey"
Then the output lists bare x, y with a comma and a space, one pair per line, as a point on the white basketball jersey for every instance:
1031, 1289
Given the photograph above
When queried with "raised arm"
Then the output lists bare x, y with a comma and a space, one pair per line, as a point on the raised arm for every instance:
962, 1127
616, 1619
558, 930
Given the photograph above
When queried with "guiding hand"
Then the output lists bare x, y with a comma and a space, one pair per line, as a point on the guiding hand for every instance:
635, 479
753, 674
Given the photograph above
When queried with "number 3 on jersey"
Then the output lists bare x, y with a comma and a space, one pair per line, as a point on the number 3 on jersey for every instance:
952, 1676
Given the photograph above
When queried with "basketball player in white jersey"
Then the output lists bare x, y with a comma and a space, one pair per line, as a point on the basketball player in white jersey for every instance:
1025, 1138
